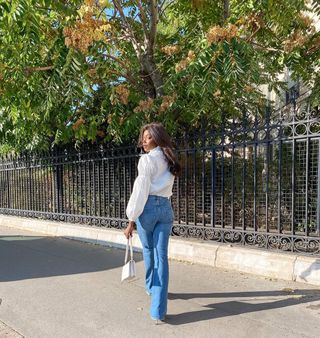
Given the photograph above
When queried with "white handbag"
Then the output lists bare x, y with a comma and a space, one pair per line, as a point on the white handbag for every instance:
129, 268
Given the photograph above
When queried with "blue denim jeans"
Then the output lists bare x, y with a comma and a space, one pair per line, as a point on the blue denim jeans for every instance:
154, 228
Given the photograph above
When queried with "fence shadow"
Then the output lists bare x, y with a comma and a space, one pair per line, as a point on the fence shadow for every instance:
29, 257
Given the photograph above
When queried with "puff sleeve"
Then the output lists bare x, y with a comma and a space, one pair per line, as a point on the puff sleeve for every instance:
141, 187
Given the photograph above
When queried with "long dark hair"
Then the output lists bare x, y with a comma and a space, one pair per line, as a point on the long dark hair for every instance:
163, 140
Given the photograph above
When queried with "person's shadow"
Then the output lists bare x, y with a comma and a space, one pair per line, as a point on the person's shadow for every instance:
236, 307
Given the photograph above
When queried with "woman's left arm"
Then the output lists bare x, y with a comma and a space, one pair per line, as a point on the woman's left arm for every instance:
140, 192
129, 229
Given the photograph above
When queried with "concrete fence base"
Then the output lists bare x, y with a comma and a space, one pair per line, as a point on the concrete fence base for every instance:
269, 264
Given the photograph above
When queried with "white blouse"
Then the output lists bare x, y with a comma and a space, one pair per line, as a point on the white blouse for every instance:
154, 178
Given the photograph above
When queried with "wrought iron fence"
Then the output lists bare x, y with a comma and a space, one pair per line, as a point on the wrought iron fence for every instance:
255, 181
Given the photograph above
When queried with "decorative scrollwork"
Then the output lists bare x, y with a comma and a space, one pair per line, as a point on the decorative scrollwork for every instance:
70, 219
123, 224
314, 128
278, 241
103, 222
262, 135
233, 237
306, 245
113, 223
179, 230
117, 224
258, 240
285, 244
95, 222
212, 234
261, 240
300, 129
314, 112
274, 133
196, 232
107, 223
274, 242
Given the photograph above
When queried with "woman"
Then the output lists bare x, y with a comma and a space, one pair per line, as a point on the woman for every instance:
150, 208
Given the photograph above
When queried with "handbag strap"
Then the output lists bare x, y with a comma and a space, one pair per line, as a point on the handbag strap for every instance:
129, 244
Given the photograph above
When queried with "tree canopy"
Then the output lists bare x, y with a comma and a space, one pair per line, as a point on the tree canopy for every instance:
74, 71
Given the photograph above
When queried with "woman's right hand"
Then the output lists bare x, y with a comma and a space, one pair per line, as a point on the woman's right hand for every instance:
129, 229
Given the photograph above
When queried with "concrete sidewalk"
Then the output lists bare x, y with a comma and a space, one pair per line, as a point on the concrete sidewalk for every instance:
55, 287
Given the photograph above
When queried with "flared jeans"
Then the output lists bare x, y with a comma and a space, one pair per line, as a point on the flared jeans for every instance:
154, 228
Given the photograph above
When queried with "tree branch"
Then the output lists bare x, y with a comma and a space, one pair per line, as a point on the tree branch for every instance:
253, 34
226, 9
269, 49
153, 24
164, 5
35, 69
129, 28
102, 10
114, 58
143, 18
144, 51
29, 70
128, 75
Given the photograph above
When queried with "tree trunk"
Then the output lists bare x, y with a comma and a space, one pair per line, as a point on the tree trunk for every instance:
151, 76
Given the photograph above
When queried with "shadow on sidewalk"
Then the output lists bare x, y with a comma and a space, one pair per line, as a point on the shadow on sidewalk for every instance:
27, 257
252, 303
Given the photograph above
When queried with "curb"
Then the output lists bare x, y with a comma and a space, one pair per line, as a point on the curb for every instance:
280, 265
